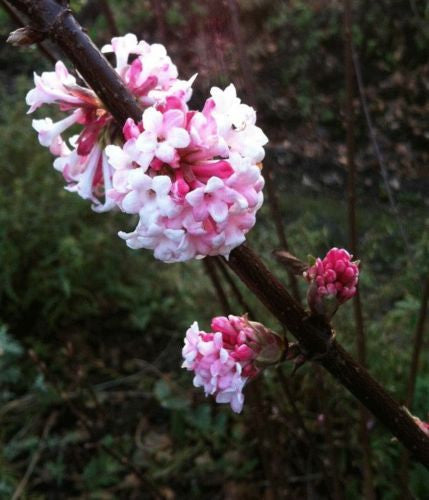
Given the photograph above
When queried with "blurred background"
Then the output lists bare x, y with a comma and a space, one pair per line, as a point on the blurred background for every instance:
91, 331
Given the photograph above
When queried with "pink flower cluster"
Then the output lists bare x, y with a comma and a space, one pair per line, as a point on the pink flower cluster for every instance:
333, 277
192, 177
226, 358
424, 426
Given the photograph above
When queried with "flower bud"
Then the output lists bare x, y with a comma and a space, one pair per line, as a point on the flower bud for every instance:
24, 36
333, 281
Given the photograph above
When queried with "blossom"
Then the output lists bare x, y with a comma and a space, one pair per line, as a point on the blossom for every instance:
333, 278
192, 177
224, 360
216, 190
151, 77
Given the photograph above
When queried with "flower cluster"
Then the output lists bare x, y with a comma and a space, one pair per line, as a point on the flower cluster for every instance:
424, 426
192, 177
226, 358
333, 278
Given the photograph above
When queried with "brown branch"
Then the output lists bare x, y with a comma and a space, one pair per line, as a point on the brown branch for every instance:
313, 334
234, 288
368, 487
210, 269
57, 23
278, 222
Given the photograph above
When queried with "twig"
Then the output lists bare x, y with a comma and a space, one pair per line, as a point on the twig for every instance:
158, 8
209, 266
377, 149
281, 235
368, 488
234, 288
418, 343
314, 336
21, 23
36, 456
332, 453
300, 422
89, 427
110, 17
246, 69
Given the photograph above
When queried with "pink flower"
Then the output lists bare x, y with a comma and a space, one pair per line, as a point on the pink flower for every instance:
88, 176
151, 76
333, 280
216, 190
192, 177
424, 426
225, 359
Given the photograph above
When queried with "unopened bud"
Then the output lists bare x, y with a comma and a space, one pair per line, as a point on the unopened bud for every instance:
333, 281
25, 36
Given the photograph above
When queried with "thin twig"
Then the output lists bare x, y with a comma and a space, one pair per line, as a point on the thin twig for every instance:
377, 149
243, 58
211, 272
278, 221
300, 422
417, 348
50, 422
110, 17
368, 487
21, 23
89, 427
234, 288
158, 8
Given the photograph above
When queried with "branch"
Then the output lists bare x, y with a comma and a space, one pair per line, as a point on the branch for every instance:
314, 335
21, 23
368, 487
210, 269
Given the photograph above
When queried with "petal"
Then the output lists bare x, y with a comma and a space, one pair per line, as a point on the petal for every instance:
161, 184
213, 184
178, 137
152, 120
218, 210
165, 152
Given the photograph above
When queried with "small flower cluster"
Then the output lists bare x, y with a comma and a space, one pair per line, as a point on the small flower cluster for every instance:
192, 177
424, 426
335, 277
226, 358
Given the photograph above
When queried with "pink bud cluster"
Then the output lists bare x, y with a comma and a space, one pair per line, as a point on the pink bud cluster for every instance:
333, 277
226, 358
192, 177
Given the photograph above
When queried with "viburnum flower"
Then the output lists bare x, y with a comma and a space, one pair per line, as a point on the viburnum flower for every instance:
151, 77
192, 177
216, 182
333, 281
225, 359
